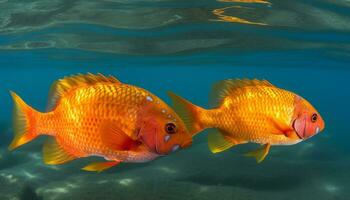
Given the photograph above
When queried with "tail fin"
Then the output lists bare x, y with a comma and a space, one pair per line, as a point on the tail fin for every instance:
24, 122
189, 113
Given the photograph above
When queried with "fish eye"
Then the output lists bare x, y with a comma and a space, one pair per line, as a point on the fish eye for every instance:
314, 117
170, 128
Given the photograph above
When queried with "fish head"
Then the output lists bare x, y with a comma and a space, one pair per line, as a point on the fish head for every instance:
307, 122
162, 130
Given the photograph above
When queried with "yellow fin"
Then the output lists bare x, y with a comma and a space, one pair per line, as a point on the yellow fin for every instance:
24, 122
55, 154
260, 153
100, 166
188, 112
62, 86
228, 87
218, 142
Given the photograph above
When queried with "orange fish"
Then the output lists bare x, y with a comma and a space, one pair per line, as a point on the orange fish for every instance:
95, 115
251, 111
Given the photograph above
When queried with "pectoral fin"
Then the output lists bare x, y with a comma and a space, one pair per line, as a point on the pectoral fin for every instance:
218, 141
117, 139
100, 166
260, 153
280, 128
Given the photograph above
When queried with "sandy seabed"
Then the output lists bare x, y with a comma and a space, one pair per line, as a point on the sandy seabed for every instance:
302, 171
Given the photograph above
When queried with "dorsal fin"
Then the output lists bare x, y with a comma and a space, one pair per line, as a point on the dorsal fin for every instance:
68, 83
227, 87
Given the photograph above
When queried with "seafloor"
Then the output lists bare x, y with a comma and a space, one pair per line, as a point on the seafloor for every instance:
303, 171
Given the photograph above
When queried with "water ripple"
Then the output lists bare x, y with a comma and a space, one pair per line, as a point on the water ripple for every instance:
145, 27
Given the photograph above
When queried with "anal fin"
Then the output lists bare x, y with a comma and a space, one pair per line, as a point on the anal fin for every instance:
218, 141
100, 166
54, 154
260, 153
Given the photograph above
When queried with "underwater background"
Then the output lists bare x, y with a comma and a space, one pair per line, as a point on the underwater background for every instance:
184, 46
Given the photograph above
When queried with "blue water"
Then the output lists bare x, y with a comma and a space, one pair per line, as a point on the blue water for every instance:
182, 46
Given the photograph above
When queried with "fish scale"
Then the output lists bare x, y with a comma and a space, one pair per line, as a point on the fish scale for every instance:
84, 137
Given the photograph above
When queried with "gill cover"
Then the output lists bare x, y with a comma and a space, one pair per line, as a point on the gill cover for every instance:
307, 121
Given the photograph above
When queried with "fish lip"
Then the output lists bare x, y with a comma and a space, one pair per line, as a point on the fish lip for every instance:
299, 136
